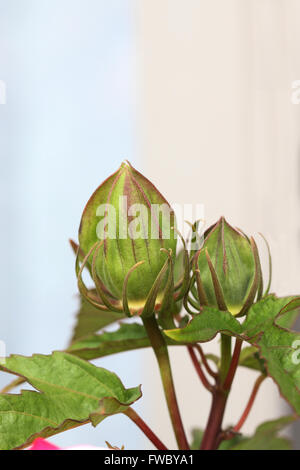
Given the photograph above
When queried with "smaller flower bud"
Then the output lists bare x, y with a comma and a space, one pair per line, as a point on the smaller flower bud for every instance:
227, 270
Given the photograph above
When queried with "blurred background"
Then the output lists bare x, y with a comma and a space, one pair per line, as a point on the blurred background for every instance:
199, 96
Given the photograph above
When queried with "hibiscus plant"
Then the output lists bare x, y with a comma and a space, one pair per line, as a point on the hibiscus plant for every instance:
178, 292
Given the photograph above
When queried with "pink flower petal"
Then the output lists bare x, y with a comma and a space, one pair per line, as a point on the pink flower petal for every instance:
42, 444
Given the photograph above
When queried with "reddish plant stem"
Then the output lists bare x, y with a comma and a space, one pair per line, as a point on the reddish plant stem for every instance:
199, 370
161, 352
214, 423
213, 433
248, 408
145, 428
205, 363
233, 365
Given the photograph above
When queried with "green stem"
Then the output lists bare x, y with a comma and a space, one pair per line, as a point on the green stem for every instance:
225, 356
161, 352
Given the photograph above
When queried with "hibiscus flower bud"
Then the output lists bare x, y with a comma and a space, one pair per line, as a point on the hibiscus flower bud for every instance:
128, 237
227, 270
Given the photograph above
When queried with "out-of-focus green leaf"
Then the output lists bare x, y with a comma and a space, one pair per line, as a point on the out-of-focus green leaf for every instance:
266, 437
250, 358
197, 436
89, 320
127, 338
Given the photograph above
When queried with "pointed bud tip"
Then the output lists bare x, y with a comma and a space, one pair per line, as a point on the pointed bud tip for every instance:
222, 222
126, 165
219, 224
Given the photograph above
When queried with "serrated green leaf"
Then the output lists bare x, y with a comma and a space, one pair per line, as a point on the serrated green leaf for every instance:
278, 347
205, 326
89, 320
127, 338
74, 392
269, 310
266, 437
211, 321
281, 351
261, 316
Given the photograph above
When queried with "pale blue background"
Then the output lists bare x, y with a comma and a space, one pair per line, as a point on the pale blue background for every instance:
68, 122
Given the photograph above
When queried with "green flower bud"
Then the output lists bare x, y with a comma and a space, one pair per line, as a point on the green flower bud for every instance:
228, 270
127, 231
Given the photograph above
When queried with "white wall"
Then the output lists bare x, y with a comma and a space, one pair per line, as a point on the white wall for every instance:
217, 126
